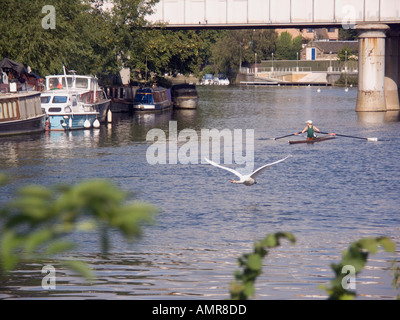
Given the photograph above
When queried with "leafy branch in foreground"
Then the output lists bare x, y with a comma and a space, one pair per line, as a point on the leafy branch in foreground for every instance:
395, 272
356, 256
36, 223
243, 287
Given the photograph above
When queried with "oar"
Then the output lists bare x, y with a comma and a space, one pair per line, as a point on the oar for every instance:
288, 135
343, 135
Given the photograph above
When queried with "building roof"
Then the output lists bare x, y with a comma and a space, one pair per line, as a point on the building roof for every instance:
333, 46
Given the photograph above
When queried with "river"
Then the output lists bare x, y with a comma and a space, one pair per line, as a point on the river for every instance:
328, 195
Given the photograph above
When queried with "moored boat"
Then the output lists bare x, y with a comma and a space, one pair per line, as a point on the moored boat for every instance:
20, 112
317, 139
87, 89
122, 97
152, 99
184, 96
66, 111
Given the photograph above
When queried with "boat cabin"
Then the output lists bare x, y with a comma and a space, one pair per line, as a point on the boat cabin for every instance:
20, 112
152, 99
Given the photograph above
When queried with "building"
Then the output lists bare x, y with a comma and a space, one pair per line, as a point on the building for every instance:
312, 33
327, 50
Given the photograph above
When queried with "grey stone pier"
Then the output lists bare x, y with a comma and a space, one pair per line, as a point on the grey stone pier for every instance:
371, 67
392, 70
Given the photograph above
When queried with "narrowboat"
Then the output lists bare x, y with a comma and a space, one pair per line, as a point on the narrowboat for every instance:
184, 96
152, 99
20, 112
122, 97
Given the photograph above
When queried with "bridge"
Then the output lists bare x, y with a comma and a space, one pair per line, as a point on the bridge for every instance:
377, 23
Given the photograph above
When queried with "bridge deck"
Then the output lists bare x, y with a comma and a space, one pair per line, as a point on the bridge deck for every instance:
274, 13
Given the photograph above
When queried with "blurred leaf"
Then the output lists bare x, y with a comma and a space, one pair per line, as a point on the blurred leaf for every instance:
369, 244
254, 262
81, 268
387, 244
252, 265
36, 239
59, 246
3, 179
357, 256
249, 289
35, 223
9, 241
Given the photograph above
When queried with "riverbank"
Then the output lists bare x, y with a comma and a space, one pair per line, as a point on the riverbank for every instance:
298, 78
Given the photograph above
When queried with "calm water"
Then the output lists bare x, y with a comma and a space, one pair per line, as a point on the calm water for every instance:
328, 194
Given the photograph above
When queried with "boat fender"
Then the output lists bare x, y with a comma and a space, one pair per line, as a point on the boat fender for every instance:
47, 125
70, 123
96, 123
86, 124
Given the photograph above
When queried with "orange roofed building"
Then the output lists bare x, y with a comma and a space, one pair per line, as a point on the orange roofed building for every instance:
312, 34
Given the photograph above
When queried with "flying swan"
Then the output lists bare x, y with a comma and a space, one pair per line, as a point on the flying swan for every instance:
249, 179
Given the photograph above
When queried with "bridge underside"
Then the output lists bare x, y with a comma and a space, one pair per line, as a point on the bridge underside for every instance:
377, 23
241, 14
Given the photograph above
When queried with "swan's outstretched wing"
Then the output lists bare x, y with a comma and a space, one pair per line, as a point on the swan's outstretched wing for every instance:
258, 171
225, 168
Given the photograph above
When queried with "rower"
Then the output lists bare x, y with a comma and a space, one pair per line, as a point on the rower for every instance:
310, 128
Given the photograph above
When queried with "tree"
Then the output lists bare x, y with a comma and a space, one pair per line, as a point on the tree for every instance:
168, 51
238, 47
86, 38
286, 47
348, 34
346, 53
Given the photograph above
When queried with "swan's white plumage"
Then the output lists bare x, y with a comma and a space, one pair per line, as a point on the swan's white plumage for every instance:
248, 179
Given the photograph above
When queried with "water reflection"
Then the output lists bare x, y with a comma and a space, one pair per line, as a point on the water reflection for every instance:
378, 118
392, 116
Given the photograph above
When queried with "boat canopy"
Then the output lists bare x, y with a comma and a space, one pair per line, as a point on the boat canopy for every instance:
15, 67
70, 82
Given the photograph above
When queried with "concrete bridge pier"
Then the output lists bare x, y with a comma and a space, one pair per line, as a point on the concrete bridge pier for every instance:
371, 67
392, 70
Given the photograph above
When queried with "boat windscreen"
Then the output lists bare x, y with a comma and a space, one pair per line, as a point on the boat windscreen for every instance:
60, 99
45, 99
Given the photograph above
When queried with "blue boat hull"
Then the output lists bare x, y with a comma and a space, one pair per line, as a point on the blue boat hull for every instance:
70, 122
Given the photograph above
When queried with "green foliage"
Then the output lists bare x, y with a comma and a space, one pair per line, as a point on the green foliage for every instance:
356, 256
243, 285
238, 47
395, 272
86, 38
36, 223
287, 47
348, 34
166, 51
343, 56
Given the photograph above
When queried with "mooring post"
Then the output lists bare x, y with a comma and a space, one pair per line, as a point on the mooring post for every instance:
392, 70
371, 67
